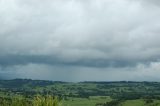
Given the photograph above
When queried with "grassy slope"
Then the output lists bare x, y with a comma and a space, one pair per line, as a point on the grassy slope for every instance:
147, 88
93, 101
134, 103
140, 102
85, 102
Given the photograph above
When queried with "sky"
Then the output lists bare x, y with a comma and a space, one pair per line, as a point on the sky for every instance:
80, 40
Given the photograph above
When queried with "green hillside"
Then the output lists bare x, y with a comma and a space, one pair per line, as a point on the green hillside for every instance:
83, 93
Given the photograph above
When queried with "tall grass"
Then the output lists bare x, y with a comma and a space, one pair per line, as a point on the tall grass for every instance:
37, 101
45, 101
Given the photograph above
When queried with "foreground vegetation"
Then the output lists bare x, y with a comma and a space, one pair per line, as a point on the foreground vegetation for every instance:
24, 92
37, 101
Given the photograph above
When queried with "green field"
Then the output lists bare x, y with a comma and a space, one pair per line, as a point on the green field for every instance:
91, 101
120, 93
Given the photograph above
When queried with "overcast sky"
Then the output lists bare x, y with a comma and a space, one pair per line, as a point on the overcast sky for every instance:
80, 40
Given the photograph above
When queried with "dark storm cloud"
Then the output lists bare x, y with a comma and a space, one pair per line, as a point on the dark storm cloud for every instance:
103, 34
11, 60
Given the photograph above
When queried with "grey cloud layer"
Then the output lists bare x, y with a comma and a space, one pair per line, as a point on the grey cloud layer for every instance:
81, 33
11, 60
